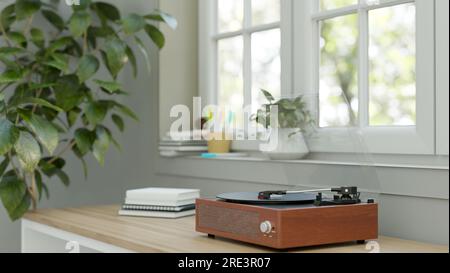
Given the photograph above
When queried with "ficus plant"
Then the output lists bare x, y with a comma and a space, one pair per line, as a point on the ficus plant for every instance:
53, 99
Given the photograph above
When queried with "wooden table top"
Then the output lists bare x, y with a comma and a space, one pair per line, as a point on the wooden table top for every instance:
150, 235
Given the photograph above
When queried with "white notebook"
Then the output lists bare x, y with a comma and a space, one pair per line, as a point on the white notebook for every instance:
162, 194
167, 203
158, 208
157, 214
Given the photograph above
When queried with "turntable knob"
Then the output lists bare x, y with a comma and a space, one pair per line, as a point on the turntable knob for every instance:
265, 227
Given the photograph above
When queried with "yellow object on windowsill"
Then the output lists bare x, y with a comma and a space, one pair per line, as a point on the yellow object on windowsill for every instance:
219, 143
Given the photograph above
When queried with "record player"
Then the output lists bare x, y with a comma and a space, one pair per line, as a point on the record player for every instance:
290, 219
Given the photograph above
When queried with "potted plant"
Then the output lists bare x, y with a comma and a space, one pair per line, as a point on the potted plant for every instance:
52, 100
293, 124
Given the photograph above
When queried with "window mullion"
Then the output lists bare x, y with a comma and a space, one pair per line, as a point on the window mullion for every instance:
286, 50
363, 67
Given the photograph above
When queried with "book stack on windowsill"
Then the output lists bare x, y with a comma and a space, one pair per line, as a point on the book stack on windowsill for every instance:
160, 203
183, 144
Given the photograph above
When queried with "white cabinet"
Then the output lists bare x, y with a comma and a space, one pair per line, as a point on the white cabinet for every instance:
39, 238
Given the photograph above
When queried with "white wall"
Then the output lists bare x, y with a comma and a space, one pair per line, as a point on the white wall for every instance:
178, 60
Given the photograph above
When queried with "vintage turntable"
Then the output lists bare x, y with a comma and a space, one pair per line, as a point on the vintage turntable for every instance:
283, 219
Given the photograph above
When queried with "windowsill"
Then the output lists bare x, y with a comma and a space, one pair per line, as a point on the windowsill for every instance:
262, 159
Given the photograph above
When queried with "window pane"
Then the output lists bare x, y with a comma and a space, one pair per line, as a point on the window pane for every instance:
338, 71
392, 75
265, 11
266, 65
231, 14
335, 4
230, 78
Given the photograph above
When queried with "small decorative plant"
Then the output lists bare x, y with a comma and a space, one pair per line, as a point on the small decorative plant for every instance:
292, 114
51, 99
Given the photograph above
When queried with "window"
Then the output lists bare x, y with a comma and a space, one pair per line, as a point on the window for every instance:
246, 52
372, 69
248, 41
387, 61
368, 65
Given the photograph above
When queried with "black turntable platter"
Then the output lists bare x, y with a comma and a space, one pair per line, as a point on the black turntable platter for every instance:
251, 198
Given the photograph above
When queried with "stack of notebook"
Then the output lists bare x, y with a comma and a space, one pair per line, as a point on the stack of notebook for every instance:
182, 144
160, 203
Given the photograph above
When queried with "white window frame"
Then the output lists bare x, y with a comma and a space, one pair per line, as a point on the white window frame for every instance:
419, 139
209, 36
442, 80
300, 61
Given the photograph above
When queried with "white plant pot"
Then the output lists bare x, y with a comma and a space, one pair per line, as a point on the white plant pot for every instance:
289, 146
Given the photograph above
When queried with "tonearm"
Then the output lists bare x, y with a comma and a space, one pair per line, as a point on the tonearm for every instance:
344, 195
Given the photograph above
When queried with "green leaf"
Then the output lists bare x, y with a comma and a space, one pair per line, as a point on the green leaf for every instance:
60, 126
28, 151
14, 196
26, 8
101, 145
102, 32
40, 102
116, 56
9, 63
144, 52
9, 135
155, 35
3, 166
133, 61
110, 87
41, 186
59, 61
79, 23
37, 86
84, 140
68, 92
118, 121
18, 38
8, 51
7, 16
54, 19
268, 96
87, 67
125, 110
287, 104
133, 23
37, 37
72, 116
55, 168
95, 112
92, 37
113, 141
161, 16
79, 155
106, 10
63, 177
11, 76
60, 43
44, 130
51, 169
